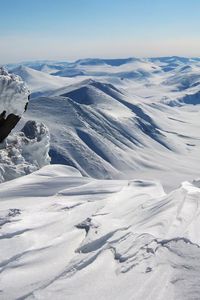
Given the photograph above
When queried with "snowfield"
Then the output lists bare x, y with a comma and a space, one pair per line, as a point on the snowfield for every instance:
117, 213
64, 236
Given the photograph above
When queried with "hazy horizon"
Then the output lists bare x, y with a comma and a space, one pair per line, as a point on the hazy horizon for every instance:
94, 57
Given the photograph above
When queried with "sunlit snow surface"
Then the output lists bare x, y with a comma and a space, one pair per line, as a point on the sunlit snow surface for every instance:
64, 236
120, 119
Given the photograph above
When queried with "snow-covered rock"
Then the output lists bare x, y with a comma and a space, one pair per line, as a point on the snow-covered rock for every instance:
13, 93
24, 152
13, 101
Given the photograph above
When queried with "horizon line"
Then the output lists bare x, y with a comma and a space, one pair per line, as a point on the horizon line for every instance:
60, 60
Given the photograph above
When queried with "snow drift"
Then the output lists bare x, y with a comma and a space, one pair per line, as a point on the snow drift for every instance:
64, 236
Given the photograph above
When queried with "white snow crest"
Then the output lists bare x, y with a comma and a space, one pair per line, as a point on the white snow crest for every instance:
13, 93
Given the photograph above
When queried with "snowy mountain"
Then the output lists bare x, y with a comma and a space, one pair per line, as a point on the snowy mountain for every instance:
46, 66
114, 127
116, 213
39, 82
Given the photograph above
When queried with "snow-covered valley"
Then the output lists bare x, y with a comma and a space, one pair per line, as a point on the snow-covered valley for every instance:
115, 214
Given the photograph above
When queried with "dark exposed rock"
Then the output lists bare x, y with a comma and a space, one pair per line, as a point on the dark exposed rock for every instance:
32, 131
14, 97
7, 124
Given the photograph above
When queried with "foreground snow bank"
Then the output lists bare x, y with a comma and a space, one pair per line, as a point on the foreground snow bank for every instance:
24, 152
64, 236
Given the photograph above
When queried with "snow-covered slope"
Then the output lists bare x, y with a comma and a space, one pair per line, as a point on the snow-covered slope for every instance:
130, 68
64, 236
46, 66
107, 132
40, 82
123, 118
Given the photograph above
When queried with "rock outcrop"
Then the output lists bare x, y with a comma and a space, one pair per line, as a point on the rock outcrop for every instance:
25, 151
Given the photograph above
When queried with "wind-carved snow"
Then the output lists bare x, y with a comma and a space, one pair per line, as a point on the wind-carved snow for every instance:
68, 237
24, 152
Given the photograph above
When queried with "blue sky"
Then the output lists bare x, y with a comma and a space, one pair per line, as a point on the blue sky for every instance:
71, 29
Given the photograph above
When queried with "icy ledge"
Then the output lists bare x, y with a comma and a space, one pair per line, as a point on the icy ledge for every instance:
24, 152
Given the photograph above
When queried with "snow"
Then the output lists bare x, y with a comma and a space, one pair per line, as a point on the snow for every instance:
108, 123
24, 152
40, 82
107, 132
13, 93
116, 216
67, 236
